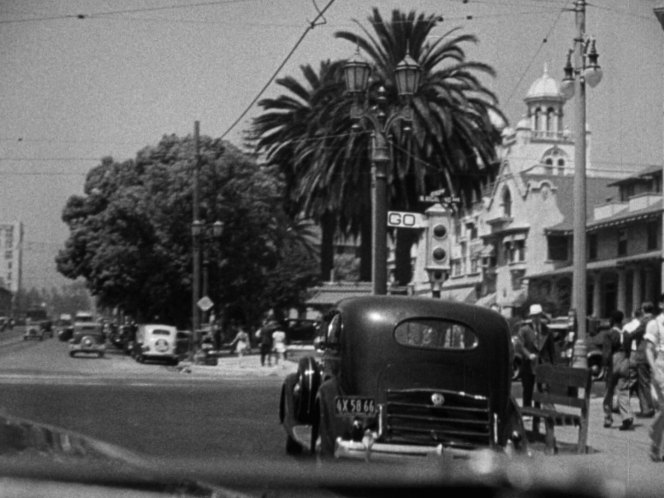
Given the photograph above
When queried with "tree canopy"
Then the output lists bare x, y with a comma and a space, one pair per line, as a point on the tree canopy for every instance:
130, 234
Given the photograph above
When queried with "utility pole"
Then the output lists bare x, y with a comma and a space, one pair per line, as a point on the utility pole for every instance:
579, 285
196, 256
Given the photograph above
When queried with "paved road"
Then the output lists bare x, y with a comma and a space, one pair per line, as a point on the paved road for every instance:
229, 420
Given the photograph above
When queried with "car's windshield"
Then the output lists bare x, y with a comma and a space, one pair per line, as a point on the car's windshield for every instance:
199, 197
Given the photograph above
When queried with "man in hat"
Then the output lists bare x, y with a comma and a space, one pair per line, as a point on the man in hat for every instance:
536, 346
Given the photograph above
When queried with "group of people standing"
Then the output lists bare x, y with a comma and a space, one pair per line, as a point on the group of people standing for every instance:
633, 355
634, 358
271, 338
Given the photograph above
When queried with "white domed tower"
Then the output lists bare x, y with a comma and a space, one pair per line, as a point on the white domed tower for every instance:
545, 108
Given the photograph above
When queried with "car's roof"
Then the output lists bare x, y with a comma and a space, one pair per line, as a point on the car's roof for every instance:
398, 308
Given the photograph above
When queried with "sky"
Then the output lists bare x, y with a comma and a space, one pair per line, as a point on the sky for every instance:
80, 80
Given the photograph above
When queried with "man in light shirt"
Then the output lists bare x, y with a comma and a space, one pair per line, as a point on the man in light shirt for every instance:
654, 337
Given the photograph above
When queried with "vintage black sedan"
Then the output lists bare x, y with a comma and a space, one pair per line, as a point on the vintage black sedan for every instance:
404, 376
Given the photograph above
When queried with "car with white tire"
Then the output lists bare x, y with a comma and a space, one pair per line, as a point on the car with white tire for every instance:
156, 342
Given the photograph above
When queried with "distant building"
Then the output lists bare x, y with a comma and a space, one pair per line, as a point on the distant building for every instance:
11, 255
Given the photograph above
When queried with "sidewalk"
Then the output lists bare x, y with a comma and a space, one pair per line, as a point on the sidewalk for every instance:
233, 366
621, 456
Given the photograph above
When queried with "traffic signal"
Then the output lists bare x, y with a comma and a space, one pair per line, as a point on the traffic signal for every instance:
439, 246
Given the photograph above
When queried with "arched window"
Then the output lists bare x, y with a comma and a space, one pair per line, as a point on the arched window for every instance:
537, 120
549, 165
561, 166
507, 203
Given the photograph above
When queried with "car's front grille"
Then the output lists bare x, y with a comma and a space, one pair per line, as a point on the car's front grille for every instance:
425, 416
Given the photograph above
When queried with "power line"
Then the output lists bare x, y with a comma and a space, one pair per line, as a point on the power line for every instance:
97, 158
311, 26
40, 173
125, 11
532, 59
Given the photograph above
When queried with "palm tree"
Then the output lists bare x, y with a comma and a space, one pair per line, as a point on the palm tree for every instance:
453, 139
327, 168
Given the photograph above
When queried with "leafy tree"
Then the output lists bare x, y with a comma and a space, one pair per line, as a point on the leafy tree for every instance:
130, 234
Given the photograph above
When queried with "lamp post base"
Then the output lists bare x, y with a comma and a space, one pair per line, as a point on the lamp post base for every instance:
580, 355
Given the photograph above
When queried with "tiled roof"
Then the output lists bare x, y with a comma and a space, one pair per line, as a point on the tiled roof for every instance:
650, 170
597, 191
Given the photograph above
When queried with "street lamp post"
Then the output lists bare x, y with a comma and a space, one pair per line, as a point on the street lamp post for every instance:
584, 70
356, 76
202, 235
199, 233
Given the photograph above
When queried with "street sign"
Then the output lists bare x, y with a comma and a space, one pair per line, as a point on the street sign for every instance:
402, 219
205, 303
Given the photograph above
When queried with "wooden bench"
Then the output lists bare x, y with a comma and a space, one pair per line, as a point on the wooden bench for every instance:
564, 399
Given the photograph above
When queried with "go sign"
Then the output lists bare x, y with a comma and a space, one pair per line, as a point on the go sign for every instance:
401, 219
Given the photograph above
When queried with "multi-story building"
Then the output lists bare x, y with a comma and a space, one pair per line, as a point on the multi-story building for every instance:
11, 257
514, 245
624, 243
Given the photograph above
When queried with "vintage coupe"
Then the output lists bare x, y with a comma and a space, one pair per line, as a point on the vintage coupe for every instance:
404, 376
87, 338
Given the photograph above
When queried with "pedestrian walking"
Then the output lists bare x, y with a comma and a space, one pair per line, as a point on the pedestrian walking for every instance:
536, 346
643, 385
279, 345
264, 336
654, 338
241, 342
616, 353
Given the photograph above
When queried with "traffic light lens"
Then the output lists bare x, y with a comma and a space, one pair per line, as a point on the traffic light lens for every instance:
439, 231
439, 254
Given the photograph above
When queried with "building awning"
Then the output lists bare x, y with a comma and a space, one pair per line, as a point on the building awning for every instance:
461, 294
487, 300
515, 299
330, 295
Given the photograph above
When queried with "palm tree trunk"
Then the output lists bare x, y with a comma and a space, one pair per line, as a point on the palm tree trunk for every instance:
365, 247
328, 227
403, 271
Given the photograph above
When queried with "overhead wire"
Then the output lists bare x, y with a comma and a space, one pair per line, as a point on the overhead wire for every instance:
311, 26
539, 48
124, 11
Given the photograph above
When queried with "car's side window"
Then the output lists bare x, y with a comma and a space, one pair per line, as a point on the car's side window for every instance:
435, 334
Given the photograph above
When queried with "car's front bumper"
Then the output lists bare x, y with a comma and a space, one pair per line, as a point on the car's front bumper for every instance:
371, 449
76, 348
365, 450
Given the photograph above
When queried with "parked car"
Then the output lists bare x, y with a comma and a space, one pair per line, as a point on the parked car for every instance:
156, 342
87, 338
33, 331
38, 318
404, 376
64, 327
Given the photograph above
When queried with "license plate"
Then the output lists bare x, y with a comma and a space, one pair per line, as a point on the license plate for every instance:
345, 405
